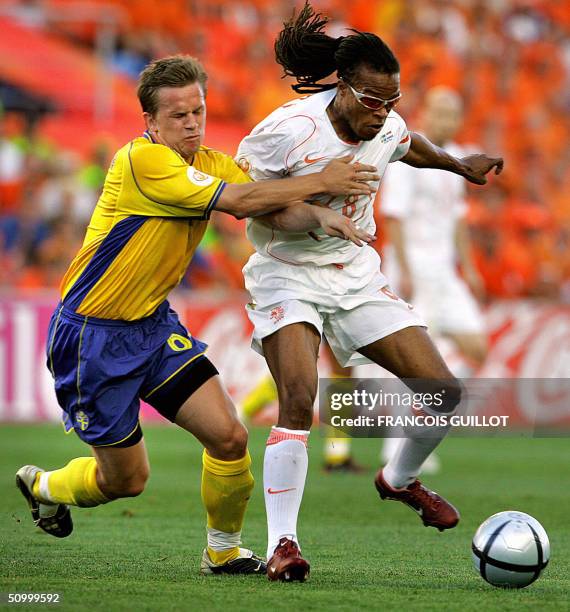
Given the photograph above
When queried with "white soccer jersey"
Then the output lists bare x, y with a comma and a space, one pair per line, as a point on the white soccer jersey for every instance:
428, 203
298, 138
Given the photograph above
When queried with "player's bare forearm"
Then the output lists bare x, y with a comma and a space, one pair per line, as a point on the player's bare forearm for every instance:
463, 245
396, 239
299, 217
339, 177
424, 154
464, 255
303, 217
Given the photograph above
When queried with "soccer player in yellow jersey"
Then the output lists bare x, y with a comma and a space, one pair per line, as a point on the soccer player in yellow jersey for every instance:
113, 338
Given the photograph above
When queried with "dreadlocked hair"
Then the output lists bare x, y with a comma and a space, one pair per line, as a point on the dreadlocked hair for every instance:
308, 54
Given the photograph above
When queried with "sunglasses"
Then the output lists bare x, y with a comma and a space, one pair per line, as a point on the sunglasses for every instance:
372, 102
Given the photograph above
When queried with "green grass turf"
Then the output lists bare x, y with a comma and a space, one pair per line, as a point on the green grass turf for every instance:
143, 554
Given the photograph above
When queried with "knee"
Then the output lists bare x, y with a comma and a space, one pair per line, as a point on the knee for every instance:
231, 444
452, 392
296, 401
129, 485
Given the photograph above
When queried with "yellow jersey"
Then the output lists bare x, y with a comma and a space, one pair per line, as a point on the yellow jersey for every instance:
145, 228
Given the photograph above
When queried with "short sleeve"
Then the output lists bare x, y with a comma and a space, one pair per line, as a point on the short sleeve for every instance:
230, 172
272, 152
170, 186
404, 139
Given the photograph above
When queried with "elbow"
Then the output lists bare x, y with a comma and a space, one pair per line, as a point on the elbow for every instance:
240, 213
242, 208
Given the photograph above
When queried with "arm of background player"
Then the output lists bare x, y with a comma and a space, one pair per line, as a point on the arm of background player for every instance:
339, 177
397, 240
424, 154
464, 255
303, 217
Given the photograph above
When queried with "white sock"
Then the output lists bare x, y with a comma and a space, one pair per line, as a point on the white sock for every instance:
389, 449
284, 473
405, 464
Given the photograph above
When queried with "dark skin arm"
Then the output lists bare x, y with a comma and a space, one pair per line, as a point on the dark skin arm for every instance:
304, 217
473, 168
338, 177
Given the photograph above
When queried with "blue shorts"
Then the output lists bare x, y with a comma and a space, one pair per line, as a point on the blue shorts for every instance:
103, 367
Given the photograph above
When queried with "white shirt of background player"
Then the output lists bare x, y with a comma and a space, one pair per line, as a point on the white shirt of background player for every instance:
428, 203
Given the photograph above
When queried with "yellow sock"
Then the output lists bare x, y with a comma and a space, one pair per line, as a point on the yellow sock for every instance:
337, 447
337, 450
226, 488
256, 400
75, 484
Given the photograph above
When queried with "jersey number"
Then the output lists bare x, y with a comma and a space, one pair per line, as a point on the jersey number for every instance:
349, 207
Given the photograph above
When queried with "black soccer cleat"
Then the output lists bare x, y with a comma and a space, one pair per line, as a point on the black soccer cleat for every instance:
246, 563
54, 519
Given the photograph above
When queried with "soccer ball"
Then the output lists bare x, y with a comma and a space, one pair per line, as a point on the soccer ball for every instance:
510, 549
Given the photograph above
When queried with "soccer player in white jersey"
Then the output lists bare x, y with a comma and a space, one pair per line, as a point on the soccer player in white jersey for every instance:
425, 214
428, 236
304, 284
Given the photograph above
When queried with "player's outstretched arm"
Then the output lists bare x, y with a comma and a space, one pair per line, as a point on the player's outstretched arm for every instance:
303, 217
339, 177
396, 237
424, 154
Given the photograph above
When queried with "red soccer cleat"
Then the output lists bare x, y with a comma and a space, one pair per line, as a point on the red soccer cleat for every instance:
286, 564
433, 509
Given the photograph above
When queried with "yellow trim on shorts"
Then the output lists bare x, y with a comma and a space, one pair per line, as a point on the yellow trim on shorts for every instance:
174, 374
118, 441
79, 362
53, 340
72, 430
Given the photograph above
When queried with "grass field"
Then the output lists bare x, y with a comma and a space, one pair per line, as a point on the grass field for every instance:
143, 554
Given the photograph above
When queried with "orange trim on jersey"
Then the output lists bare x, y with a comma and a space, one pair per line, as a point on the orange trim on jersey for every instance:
405, 139
363, 209
301, 143
292, 263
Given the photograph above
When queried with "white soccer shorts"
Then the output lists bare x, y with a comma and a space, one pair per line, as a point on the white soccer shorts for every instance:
352, 305
448, 306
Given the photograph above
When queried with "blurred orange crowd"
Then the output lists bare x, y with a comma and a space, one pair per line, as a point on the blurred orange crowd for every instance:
510, 60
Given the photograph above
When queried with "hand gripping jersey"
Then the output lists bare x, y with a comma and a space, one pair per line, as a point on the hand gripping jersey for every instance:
145, 228
296, 139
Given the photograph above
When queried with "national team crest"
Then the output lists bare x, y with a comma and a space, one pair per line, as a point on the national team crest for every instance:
199, 178
82, 420
244, 164
387, 137
277, 314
